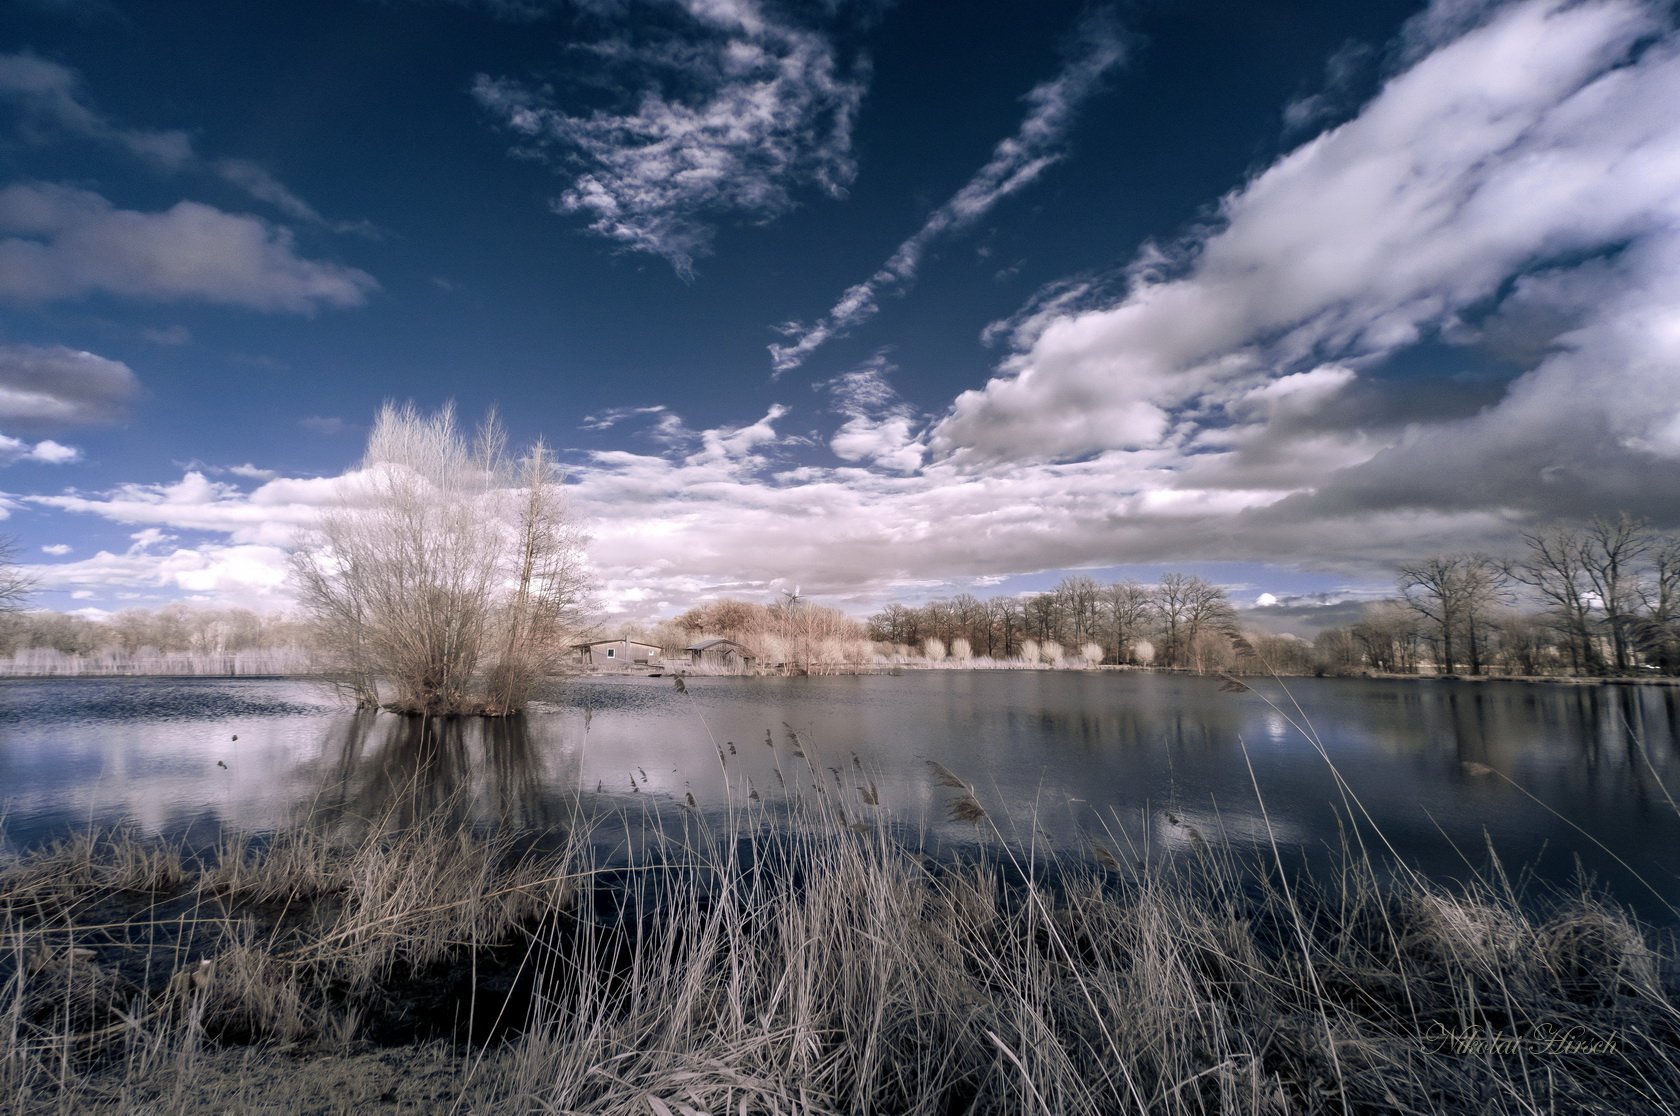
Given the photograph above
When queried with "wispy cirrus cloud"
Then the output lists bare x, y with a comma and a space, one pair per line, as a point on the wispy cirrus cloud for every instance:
1016, 163
728, 118
65, 243
53, 100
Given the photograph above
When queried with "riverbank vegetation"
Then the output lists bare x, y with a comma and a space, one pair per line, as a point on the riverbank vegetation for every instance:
807, 957
178, 638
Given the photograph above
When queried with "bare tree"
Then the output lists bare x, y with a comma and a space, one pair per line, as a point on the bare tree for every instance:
449, 570
1456, 594
15, 584
1610, 556
1187, 606
1387, 635
1127, 609
1657, 632
1556, 569
1005, 613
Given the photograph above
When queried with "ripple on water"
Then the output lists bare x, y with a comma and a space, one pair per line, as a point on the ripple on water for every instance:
68, 701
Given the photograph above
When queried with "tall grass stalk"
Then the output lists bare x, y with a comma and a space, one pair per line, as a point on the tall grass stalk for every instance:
799, 955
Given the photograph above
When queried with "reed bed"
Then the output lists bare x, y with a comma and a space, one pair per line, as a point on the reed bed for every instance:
806, 956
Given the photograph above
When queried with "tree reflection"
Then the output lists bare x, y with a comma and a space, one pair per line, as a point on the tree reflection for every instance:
389, 771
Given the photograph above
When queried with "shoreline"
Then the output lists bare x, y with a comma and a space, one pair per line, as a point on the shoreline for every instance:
896, 669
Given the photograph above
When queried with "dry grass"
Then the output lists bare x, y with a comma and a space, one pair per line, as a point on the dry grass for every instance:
797, 958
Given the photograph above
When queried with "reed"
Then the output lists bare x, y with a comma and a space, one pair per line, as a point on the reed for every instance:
801, 955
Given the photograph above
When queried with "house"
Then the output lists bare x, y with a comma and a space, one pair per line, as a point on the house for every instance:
618, 654
723, 654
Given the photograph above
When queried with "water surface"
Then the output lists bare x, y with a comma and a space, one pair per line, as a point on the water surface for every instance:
1551, 778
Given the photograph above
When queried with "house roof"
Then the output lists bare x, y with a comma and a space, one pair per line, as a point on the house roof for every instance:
616, 642
715, 644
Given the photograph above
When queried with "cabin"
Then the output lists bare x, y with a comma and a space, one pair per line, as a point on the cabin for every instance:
618, 654
719, 654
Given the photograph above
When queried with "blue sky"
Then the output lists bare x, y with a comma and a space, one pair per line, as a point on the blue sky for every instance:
884, 300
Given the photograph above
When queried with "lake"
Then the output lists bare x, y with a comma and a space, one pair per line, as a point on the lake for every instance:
1145, 765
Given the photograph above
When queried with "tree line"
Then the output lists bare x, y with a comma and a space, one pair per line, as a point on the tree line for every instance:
1594, 599
178, 638
1182, 621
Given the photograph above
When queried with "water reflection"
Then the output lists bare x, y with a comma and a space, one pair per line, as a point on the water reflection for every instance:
388, 771
1444, 768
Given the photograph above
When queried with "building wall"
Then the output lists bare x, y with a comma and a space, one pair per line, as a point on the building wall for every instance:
623, 654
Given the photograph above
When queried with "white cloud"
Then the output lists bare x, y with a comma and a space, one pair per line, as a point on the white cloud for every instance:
1533, 140
613, 416
879, 428
270, 515
726, 123
56, 549
48, 386
244, 574
70, 243
1229, 401
1016, 163
252, 472
47, 452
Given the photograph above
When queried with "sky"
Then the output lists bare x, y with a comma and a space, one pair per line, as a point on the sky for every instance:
879, 300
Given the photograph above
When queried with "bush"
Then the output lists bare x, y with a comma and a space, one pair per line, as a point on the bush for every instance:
448, 570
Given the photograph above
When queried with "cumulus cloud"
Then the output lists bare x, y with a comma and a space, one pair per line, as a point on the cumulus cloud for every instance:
1497, 173
51, 386
880, 428
237, 574
269, 515
1016, 163
730, 120
58, 550
67, 243
46, 452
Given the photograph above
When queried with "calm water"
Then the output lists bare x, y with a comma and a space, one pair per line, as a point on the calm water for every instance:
1146, 764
